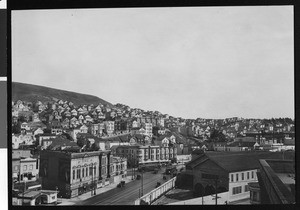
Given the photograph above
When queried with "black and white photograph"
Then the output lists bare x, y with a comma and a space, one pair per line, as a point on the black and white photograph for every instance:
186, 105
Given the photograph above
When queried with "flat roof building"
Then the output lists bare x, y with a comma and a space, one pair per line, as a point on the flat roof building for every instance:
276, 181
225, 171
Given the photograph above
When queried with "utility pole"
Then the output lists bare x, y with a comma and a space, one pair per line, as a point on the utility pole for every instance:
56, 195
216, 191
92, 180
25, 179
94, 167
142, 182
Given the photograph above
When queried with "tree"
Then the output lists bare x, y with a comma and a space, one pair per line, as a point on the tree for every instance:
95, 147
47, 130
217, 136
67, 136
81, 142
16, 129
21, 119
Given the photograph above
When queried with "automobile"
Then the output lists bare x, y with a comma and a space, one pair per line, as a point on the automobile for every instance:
170, 170
121, 184
155, 171
157, 184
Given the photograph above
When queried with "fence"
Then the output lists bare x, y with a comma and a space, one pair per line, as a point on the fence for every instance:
157, 192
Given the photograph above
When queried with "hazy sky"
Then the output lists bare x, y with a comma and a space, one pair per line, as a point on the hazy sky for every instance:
210, 62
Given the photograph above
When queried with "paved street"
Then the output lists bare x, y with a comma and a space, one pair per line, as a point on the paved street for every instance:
128, 194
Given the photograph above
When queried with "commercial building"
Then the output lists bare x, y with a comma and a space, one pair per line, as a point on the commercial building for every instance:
74, 173
119, 170
146, 154
24, 166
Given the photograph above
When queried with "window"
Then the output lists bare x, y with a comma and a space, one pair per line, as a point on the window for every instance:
232, 178
242, 176
73, 174
31, 167
246, 188
252, 174
237, 177
82, 172
248, 175
87, 172
25, 168
16, 168
91, 170
255, 196
78, 173
236, 190
94, 170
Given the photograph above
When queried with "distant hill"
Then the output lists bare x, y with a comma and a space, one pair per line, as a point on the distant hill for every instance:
33, 93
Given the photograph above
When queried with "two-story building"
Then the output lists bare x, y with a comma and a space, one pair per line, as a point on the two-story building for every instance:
75, 173
24, 165
225, 172
109, 127
119, 170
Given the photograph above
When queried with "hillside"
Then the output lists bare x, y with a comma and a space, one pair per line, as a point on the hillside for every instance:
32, 93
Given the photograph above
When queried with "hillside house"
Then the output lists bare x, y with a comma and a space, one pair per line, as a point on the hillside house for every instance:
74, 112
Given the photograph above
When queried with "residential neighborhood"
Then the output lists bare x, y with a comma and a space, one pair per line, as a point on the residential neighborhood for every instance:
129, 105
69, 150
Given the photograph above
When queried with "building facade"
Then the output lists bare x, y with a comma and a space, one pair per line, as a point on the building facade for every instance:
75, 173
109, 127
146, 154
226, 172
276, 180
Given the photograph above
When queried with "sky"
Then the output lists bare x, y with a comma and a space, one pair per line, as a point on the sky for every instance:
190, 62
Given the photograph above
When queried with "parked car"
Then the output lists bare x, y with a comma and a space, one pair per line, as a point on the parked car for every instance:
155, 171
157, 184
121, 184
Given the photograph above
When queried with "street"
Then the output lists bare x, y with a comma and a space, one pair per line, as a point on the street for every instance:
128, 194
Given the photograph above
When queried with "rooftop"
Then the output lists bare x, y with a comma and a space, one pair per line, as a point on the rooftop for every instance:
236, 161
281, 174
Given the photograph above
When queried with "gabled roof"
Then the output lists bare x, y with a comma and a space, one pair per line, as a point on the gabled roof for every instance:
242, 144
137, 128
46, 134
61, 142
114, 147
240, 161
245, 139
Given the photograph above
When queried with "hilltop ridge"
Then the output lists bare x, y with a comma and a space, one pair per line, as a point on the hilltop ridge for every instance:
32, 93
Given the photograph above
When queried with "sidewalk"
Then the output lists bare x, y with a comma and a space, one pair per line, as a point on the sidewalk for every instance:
77, 200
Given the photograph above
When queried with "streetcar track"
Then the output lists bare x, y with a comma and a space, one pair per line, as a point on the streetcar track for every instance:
128, 193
